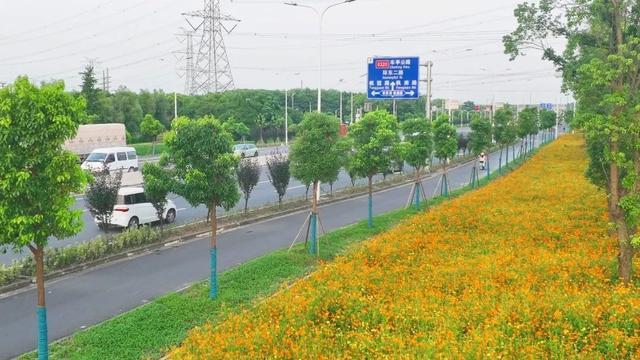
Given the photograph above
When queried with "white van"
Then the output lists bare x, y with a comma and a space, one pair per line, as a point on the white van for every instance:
115, 158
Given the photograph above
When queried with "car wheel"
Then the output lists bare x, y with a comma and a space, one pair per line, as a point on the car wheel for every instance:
255, 154
171, 216
132, 169
242, 155
133, 223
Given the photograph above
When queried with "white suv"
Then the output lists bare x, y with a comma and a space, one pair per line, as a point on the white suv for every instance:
132, 209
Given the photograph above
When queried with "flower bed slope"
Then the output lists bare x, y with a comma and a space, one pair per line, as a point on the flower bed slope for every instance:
520, 268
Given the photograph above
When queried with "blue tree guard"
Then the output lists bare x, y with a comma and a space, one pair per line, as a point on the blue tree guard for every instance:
213, 281
370, 210
43, 340
313, 228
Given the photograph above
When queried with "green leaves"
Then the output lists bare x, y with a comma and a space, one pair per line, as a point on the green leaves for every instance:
151, 127
445, 140
480, 134
418, 142
203, 165
374, 139
36, 175
318, 151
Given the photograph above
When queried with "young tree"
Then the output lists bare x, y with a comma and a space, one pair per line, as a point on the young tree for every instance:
37, 176
200, 153
151, 128
445, 146
504, 131
315, 157
418, 143
547, 122
600, 67
102, 195
248, 173
157, 186
480, 141
527, 125
374, 138
89, 91
279, 175
463, 143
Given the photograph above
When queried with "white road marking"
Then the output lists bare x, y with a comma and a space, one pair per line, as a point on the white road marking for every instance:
181, 209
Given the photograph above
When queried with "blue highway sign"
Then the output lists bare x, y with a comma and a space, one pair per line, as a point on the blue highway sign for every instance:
393, 78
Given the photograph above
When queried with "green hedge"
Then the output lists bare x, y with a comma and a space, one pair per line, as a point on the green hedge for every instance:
63, 257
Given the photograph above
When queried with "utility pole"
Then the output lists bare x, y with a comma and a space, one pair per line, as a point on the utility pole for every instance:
341, 118
286, 117
175, 105
395, 111
351, 112
429, 66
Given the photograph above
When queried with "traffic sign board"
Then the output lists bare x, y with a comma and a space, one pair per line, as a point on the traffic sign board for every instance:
393, 78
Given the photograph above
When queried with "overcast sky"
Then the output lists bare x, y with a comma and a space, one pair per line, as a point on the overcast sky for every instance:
276, 46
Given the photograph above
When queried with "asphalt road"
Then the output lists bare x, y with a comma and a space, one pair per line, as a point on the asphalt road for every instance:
89, 297
262, 195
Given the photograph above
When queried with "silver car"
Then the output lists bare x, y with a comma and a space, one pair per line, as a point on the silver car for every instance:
245, 150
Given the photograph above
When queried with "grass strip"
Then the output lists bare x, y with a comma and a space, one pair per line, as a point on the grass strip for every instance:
150, 330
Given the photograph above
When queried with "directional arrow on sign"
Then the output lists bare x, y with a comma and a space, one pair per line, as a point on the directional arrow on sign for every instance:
375, 93
410, 92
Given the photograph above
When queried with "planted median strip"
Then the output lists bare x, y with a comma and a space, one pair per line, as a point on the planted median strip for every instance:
518, 269
150, 330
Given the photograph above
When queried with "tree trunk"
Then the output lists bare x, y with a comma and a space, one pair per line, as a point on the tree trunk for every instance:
261, 137
41, 309
418, 187
500, 160
213, 282
246, 204
370, 205
153, 147
313, 221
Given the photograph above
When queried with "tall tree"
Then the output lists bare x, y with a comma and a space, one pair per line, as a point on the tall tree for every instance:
418, 142
89, 90
600, 66
445, 146
200, 153
37, 176
374, 140
315, 157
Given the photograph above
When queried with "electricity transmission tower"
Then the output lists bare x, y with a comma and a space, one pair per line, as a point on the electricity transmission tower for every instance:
187, 71
211, 71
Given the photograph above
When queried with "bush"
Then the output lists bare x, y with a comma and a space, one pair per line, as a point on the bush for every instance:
64, 257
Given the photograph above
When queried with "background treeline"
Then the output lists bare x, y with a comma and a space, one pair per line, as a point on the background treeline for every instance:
261, 111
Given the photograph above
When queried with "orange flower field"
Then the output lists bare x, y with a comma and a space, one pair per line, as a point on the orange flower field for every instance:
521, 268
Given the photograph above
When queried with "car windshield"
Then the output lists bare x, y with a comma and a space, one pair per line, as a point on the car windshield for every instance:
239, 147
97, 157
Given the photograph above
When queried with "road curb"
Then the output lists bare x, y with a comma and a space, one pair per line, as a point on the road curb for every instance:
26, 284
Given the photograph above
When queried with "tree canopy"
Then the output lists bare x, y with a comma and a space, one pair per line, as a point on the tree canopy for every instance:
37, 176
418, 140
316, 153
445, 140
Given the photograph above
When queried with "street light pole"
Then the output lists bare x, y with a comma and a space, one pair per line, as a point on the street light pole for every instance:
321, 15
286, 117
